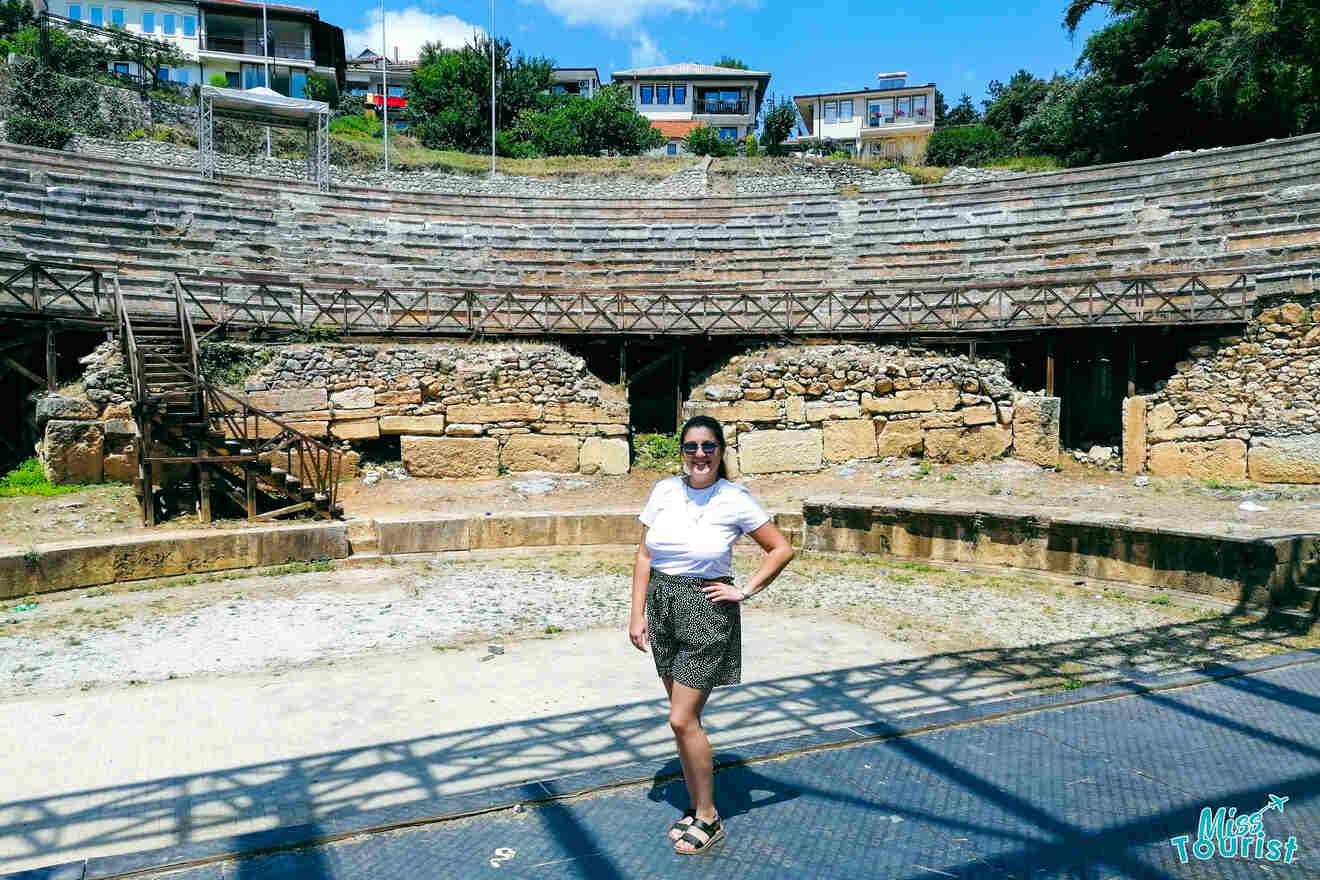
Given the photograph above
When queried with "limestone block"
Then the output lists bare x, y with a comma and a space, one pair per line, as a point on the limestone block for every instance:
743, 411
968, 444
493, 412
118, 411
1134, 435
899, 438
356, 429
362, 397
393, 398
911, 401
120, 428
346, 465
264, 429
942, 420
1161, 417
1035, 430
731, 462
769, 452
456, 457
539, 452
122, 468
56, 406
1196, 432
1285, 459
820, 411
846, 439
978, 415
290, 400
73, 452
1212, 460
1292, 313
452, 430
609, 457
609, 411
412, 425
795, 409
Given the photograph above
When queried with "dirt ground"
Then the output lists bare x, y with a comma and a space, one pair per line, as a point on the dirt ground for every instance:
1002, 484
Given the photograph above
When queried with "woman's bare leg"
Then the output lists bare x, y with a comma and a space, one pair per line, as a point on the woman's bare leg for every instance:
685, 707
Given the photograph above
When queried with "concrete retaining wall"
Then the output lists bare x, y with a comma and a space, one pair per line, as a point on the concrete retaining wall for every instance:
46, 568
1246, 570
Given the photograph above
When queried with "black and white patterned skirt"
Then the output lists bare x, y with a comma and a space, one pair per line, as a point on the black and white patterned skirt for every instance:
694, 641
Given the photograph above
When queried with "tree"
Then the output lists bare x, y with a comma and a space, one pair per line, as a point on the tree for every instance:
449, 95
607, 122
69, 54
218, 80
1010, 104
963, 114
150, 54
941, 108
15, 15
730, 61
706, 141
778, 119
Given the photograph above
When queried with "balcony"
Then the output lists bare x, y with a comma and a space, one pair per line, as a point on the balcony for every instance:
251, 45
716, 107
873, 123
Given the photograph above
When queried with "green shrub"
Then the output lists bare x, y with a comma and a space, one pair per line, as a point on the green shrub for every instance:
364, 127
657, 452
218, 80
966, 145
706, 141
224, 363
38, 133
752, 149
29, 479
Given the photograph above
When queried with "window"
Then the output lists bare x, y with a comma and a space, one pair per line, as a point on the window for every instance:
98, 15
680, 94
903, 108
181, 76
121, 68
831, 111
231, 79
672, 149
845, 111
117, 18
729, 133
75, 13
720, 101
148, 22
253, 75
298, 84
167, 23
163, 75
662, 94
919, 106
647, 92
880, 112
396, 91
190, 25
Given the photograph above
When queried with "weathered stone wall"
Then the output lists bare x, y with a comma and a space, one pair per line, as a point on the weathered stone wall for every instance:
799, 408
459, 410
1247, 408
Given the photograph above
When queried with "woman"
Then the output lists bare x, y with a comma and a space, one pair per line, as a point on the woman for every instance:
684, 603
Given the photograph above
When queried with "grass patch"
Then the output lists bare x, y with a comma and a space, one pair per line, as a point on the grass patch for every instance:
407, 154
656, 452
29, 479
552, 629
1024, 163
1220, 484
1071, 684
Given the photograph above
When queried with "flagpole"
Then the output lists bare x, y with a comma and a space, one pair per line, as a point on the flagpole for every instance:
492, 88
384, 88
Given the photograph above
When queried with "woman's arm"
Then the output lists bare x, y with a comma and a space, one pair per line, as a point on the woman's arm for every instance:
778, 553
641, 579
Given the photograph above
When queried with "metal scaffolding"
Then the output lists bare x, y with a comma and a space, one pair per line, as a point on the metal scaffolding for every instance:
263, 106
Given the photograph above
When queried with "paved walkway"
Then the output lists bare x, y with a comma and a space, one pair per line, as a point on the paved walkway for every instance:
1090, 783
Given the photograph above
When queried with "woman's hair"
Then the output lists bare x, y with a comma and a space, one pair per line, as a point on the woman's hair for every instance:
715, 428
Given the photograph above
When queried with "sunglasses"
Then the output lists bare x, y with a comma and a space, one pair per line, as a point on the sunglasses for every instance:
708, 448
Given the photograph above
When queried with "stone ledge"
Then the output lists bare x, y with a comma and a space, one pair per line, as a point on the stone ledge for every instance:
47, 568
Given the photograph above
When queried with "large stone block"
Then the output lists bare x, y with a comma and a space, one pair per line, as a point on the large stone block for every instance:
821, 411
1161, 417
910, 401
599, 455
264, 429
121, 468
290, 400
356, 429
471, 458
899, 438
607, 412
1213, 460
412, 425
743, 411
538, 452
73, 452
1285, 459
847, 439
769, 452
362, 397
1036, 430
968, 444
493, 412
56, 406
1134, 435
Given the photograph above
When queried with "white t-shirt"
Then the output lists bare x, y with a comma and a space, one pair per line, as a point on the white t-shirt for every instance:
692, 531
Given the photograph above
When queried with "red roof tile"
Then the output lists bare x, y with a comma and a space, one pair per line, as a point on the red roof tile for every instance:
675, 128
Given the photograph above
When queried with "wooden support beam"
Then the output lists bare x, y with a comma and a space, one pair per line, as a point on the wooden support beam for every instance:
678, 387
292, 508
1049, 366
22, 370
144, 476
623, 362
52, 371
204, 484
1132, 364
251, 501
971, 350
204, 459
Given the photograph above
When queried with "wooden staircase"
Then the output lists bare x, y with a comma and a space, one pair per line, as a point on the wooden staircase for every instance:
264, 467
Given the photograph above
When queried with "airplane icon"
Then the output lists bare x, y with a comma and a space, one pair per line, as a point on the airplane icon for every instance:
1276, 803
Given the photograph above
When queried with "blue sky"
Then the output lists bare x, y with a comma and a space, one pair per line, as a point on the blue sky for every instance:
807, 48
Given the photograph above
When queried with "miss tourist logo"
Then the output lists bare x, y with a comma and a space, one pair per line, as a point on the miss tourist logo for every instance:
1222, 833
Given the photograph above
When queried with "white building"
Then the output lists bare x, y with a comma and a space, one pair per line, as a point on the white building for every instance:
892, 120
678, 98
225, 37
584, 81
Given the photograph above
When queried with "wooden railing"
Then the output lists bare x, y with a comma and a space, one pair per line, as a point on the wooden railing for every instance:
52, 288
128, 344
1176, 298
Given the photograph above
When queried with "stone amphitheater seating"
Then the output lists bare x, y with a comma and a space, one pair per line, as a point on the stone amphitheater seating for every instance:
1251, 208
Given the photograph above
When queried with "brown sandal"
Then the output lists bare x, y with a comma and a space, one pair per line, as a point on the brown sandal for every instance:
681, 825
714, 832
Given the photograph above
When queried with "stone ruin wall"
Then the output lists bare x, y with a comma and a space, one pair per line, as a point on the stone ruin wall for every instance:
800, 408
467, 411
1248, 408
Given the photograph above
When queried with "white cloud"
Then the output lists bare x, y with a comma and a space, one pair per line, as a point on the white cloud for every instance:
408, 29
645, 53
622, 13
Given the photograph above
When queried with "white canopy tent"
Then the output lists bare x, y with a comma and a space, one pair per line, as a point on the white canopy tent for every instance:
265, 106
